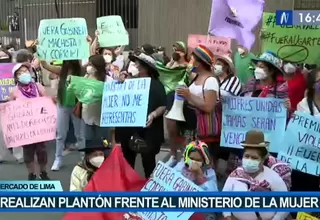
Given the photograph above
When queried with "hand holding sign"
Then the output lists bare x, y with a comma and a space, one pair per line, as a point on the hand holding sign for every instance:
63, 39
28, 121
112, 31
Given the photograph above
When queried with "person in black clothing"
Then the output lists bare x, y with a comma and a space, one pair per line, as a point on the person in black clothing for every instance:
153, 133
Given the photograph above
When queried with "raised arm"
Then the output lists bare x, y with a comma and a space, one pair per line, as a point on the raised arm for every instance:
53, 69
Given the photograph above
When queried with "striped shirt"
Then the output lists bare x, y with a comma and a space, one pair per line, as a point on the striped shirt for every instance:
230, 86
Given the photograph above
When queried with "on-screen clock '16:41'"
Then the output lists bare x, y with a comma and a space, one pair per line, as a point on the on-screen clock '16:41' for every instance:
298, 17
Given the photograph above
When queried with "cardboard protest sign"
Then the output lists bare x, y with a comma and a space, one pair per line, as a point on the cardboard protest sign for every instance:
164, 178
297, 44
306, 216
218, 45
63, 39
301, 142
125, 104
112, 31
28, 121
241, 114
6, 80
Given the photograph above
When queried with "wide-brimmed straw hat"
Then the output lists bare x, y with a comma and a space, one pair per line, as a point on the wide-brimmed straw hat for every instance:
204, 54
226, 58
146, 60
255, 139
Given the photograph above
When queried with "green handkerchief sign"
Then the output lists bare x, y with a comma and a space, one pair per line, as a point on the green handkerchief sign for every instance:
86, 90
171, 78
63, 39
112, 31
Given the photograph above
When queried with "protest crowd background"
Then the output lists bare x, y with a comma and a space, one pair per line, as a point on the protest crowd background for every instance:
232, 119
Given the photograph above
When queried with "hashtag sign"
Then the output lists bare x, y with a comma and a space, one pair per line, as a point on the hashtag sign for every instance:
271, 21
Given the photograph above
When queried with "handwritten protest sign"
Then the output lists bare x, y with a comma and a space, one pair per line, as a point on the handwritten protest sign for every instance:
293, 43
63, 39
28, 121
164, 178
6, 80
305, 216
301, 144
125, 104
218, 45
241, 114
112, 31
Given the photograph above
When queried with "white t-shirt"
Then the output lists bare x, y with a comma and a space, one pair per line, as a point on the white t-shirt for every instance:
304, 107
211, 84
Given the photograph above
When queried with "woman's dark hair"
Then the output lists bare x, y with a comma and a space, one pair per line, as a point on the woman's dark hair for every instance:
99, 64
262, 151
227, 66
204, 64
71, 67
112, 49
23, 55
311, 80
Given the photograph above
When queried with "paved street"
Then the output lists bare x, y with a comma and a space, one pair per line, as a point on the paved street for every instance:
11, 170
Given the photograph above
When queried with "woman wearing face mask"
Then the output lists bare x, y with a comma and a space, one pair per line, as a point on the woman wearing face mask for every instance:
82, 173
96, 70
310, 105
196, 166
268, 80
26, 89
257, 173
66, 104
230, 84
297, 84
203, 93
179, 56
153, 134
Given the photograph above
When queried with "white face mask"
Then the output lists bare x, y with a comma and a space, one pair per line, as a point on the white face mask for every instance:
218, 70
107, 58
194, 164
289, 68
250, 166
241, 51
90, 70
97, 161
133, 69
259, 73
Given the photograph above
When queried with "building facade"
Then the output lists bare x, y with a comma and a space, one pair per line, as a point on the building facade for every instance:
158, 22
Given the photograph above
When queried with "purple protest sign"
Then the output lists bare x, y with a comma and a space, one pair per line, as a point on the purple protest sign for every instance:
6, 70
6, 80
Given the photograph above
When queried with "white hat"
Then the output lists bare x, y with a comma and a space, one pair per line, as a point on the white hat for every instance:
228, 60
18, 66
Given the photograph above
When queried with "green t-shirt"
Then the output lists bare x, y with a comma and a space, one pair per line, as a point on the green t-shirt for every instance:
68, 98
242, 65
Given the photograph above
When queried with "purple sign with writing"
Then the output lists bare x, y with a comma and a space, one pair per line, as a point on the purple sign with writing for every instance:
6, 80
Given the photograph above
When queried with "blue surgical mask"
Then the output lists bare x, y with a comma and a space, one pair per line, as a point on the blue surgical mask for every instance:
250, 166
25, 78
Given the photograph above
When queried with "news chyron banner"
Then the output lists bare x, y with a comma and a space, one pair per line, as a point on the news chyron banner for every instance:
30, 186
